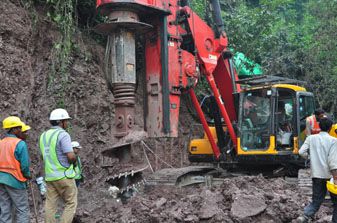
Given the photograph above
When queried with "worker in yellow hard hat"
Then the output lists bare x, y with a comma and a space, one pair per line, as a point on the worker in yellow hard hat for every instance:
24, 132
14, 172
322, 149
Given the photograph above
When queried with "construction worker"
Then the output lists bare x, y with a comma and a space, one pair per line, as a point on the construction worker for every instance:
24, 132
59, 157
14, 172
323, 162
311, 122
78, 168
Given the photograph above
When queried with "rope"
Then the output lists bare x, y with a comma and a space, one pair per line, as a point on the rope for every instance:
147, 159
148, 148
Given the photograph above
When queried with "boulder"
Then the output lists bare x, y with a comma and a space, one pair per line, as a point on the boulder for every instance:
247, 205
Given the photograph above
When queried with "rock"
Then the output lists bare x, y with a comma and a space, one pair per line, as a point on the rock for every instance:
283, 199
325, 219
160, 202
191, 218
126, 214
247, 206
269, 196
209, 207
143, 207
86, 214
79, 69
104, 128
207, 212
177, 214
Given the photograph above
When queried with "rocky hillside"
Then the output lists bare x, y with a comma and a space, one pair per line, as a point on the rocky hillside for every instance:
31, 90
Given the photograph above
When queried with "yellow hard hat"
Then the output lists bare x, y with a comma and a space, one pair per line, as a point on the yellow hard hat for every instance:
331, 187
25, 128
11, 122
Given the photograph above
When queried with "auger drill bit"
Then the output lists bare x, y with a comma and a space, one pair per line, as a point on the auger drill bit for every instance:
120, 73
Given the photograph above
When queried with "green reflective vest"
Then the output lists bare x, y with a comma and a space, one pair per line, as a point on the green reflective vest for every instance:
52, 166
78, 169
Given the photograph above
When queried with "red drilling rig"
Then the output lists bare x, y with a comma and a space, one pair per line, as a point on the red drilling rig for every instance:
179, 48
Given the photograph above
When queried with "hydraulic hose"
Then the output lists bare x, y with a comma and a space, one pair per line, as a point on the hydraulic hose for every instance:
217, 16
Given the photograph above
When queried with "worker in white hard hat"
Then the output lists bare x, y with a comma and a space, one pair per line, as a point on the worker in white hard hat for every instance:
78, 168
59, 159
322, 149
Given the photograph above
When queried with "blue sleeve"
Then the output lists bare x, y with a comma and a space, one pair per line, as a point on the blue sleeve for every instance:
21, 154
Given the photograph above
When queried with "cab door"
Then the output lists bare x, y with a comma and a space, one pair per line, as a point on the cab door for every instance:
285, 124
305, 108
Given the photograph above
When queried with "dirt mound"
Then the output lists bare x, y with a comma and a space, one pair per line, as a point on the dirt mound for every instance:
240, 199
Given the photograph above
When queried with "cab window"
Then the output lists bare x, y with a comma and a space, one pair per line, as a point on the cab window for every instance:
254, 126
306, 106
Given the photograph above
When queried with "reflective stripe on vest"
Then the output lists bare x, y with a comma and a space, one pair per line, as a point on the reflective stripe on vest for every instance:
53, 168
8, 162
314, 126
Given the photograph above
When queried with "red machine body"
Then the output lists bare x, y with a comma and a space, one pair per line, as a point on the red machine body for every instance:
180, 47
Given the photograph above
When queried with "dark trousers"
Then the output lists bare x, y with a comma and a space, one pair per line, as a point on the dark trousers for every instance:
318, 194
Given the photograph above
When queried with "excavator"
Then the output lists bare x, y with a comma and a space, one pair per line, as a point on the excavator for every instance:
270, 124
256, 121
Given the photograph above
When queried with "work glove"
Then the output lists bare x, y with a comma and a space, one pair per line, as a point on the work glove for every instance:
42, 186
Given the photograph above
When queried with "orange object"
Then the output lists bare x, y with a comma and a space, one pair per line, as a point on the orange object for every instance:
315, 129
8, 162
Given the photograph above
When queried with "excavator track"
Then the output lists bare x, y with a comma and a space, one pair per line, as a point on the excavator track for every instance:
184, 176
211, 175
305, 181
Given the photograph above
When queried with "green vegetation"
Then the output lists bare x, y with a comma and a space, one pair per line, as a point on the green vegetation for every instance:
61, 12
69, 16
291, 38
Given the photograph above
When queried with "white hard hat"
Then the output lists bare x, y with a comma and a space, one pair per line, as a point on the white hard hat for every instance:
59, 114
76, 144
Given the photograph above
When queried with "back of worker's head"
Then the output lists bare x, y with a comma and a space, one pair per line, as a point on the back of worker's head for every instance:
12, 125
57, 116
325, 124
319, 112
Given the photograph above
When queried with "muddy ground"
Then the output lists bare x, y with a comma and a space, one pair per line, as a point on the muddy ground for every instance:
30, 90
239, 199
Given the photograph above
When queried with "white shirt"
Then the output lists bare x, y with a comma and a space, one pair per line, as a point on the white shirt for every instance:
322, 149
